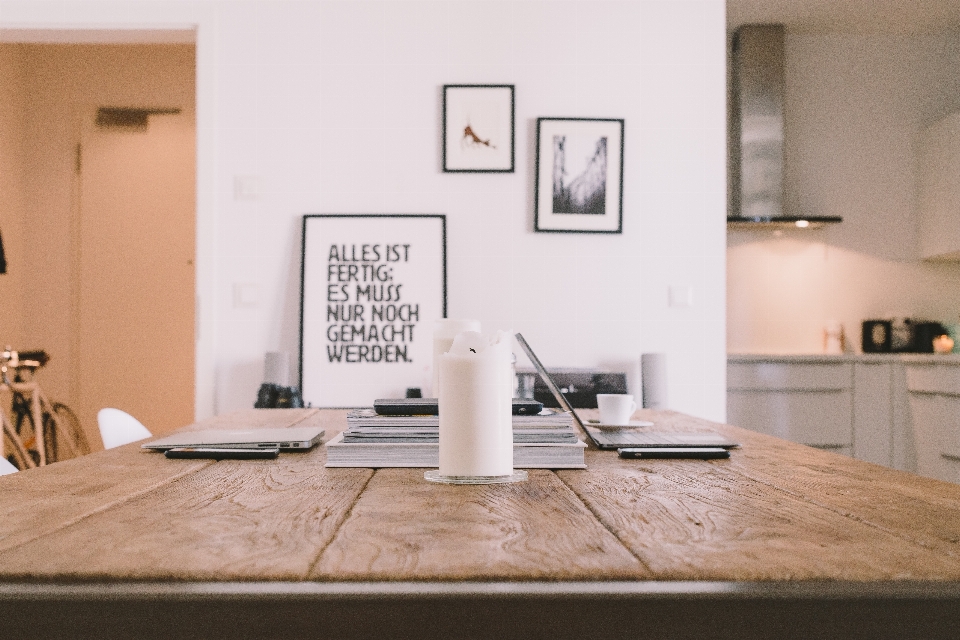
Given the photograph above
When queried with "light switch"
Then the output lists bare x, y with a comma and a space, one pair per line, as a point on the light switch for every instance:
681, 296
247, 187
246, 295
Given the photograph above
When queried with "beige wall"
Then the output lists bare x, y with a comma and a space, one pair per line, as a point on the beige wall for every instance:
57, 82
12, 114
855, 107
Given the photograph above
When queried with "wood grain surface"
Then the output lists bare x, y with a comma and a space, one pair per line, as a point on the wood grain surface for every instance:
701, 520
729, 519
914, 508
38, 502
773, 511
404, 528
233, 520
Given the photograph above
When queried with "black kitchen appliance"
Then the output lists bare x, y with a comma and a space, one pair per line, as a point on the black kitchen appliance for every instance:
923, 335
915, 336
876, 336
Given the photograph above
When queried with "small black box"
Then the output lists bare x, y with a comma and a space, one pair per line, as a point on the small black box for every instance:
923, 336
876, 336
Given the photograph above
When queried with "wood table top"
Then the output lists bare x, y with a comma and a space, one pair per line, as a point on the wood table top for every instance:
775, 511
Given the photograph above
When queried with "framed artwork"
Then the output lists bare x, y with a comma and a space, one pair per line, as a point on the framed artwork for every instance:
478, 128
579, 184
371, 288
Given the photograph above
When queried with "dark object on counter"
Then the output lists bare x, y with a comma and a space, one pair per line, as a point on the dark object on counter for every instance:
414, 392
923, 335
431, 407
273, 396
912, 336
876, 336
579, 387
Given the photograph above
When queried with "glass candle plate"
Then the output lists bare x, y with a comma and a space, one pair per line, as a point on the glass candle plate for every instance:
434, 476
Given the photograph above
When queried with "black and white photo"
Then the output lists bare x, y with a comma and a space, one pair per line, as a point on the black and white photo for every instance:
579, 184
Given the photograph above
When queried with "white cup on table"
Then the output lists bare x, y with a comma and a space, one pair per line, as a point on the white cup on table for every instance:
615, 408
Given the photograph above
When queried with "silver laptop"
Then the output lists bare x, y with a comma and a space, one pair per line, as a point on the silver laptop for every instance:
624, 438
288, 439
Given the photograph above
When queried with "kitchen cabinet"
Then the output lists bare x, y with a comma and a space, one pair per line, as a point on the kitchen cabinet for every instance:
809, 402
897, 410
939, 189
934, 396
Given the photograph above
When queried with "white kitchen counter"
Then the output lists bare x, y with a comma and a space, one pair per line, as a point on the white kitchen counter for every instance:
906, 358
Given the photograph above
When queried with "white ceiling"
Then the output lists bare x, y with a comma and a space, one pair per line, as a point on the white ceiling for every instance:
857, 16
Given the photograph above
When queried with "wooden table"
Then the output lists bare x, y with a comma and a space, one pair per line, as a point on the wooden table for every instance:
778, 541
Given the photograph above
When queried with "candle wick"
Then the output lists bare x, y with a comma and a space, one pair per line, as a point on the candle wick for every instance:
473, 350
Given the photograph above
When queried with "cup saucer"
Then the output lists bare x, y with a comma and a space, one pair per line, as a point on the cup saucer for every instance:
633, 424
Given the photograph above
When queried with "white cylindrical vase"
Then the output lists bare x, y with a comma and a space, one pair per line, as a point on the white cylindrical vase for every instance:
653, 380
276, 368
444, 331
476, 430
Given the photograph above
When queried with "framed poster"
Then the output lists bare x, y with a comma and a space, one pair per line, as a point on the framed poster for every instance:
371, 288
579, 184
478, 128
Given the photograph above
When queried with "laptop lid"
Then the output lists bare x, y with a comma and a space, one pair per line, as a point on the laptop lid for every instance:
287, 439
621, 439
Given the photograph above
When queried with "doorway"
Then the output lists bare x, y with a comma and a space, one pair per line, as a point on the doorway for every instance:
108, 270
134, 255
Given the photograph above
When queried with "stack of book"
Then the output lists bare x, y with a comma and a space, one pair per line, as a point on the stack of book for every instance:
545, 441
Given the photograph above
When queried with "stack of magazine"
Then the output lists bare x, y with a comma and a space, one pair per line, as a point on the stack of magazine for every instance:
544, 441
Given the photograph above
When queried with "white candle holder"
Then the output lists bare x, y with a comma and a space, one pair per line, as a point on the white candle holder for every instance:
518, 475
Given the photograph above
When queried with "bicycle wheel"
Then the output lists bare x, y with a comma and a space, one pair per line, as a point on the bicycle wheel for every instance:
68, 430
24, 426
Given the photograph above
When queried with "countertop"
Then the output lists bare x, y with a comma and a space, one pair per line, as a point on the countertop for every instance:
799, 358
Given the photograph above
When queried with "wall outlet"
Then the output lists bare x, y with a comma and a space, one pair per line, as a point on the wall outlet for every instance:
246, 295
247, 187
681, 297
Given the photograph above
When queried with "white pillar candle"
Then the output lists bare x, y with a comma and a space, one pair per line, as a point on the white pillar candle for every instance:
444, 331
476, 423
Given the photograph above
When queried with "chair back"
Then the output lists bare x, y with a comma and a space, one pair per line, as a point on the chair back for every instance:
6, 467
119, 427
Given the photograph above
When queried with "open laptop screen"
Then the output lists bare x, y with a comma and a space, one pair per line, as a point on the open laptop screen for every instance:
624, 438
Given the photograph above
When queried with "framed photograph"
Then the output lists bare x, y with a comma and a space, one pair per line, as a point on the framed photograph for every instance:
478, 128
579, 186
372, 287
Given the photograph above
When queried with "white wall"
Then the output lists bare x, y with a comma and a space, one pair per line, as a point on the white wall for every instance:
335, 108
855, 106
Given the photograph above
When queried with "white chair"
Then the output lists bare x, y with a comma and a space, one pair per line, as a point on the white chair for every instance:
119, 427
6, 467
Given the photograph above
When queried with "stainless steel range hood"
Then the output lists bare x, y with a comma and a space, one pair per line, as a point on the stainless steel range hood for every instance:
757, 132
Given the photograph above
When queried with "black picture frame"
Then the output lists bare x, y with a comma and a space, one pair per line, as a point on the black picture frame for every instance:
331, 244
488, 108
592, 200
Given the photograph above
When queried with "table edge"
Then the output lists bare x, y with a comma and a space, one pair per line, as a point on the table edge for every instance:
801, 590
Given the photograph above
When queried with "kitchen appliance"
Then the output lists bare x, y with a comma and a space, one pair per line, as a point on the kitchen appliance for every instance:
900, 335
757, 132
876, 336
923, 335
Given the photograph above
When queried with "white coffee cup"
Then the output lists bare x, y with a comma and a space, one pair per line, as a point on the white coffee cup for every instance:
615, 408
